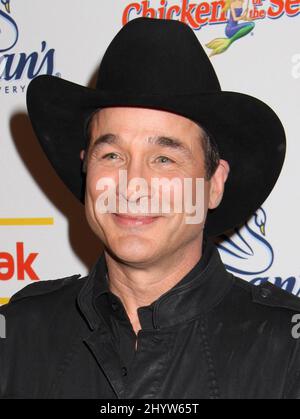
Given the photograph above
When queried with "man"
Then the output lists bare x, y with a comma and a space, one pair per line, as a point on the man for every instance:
158, 316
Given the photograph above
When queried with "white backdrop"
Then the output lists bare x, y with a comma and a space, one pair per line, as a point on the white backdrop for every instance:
43, 232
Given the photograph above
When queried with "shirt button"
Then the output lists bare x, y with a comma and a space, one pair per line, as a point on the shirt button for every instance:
124, 371
114, 306
265, 292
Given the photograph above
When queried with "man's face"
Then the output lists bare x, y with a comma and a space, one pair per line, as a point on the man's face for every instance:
142, 142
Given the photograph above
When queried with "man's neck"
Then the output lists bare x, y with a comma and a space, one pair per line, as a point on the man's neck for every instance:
137, 287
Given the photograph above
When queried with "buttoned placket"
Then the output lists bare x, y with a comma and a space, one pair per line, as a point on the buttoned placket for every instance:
151, 344
124, 334
124, 381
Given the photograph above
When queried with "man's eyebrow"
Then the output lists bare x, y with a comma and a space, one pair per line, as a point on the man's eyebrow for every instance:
170, 142
163, 141
105, 139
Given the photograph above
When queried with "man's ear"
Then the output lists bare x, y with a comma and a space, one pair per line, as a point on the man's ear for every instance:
217, 184
82, 153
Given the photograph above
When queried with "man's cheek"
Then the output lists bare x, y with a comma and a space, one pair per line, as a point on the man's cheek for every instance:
93, 185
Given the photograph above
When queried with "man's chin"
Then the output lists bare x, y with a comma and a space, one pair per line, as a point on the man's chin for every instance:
132, 251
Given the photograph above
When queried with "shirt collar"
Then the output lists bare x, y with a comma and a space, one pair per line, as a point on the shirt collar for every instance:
197, 292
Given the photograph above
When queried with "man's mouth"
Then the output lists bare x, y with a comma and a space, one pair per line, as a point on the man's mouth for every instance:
134, 220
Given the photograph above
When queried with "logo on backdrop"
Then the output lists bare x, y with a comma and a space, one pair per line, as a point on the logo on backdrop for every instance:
16, 68
236, 15
247, 253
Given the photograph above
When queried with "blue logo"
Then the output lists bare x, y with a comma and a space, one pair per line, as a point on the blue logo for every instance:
247, 253
15, 67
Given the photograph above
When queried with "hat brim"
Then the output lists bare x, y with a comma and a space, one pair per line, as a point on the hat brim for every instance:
249, 135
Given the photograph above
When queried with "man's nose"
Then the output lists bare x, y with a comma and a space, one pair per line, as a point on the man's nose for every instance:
136, 172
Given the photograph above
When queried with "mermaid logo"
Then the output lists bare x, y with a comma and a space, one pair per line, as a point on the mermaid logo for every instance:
247, 253
234, 29
16, 66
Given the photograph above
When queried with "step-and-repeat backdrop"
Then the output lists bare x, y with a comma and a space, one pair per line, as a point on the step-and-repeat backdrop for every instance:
43, 231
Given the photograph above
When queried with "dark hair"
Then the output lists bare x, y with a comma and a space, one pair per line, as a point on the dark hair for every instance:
209, 147
210, 151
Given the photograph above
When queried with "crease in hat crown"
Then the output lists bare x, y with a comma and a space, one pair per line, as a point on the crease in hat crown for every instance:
156, 55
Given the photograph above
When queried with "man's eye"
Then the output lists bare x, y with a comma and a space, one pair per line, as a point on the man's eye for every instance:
108, 155
165, 159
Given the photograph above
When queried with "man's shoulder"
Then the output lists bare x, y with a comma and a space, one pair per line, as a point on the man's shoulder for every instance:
38, 294
268, 295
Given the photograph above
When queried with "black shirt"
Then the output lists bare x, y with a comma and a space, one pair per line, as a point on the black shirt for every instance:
215, 336
110, 307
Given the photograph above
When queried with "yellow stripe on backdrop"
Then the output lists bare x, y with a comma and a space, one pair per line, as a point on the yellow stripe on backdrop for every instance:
3, 300
26, 221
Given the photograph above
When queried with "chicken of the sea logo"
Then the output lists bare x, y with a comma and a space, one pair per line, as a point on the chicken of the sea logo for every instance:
17, 66
235, 17
235, 27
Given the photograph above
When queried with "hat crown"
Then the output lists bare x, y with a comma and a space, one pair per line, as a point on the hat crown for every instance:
156, 56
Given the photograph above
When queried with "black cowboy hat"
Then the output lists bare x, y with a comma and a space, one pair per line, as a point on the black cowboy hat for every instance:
160, 64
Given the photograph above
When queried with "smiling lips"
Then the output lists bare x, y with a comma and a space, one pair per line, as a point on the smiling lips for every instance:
130, 220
